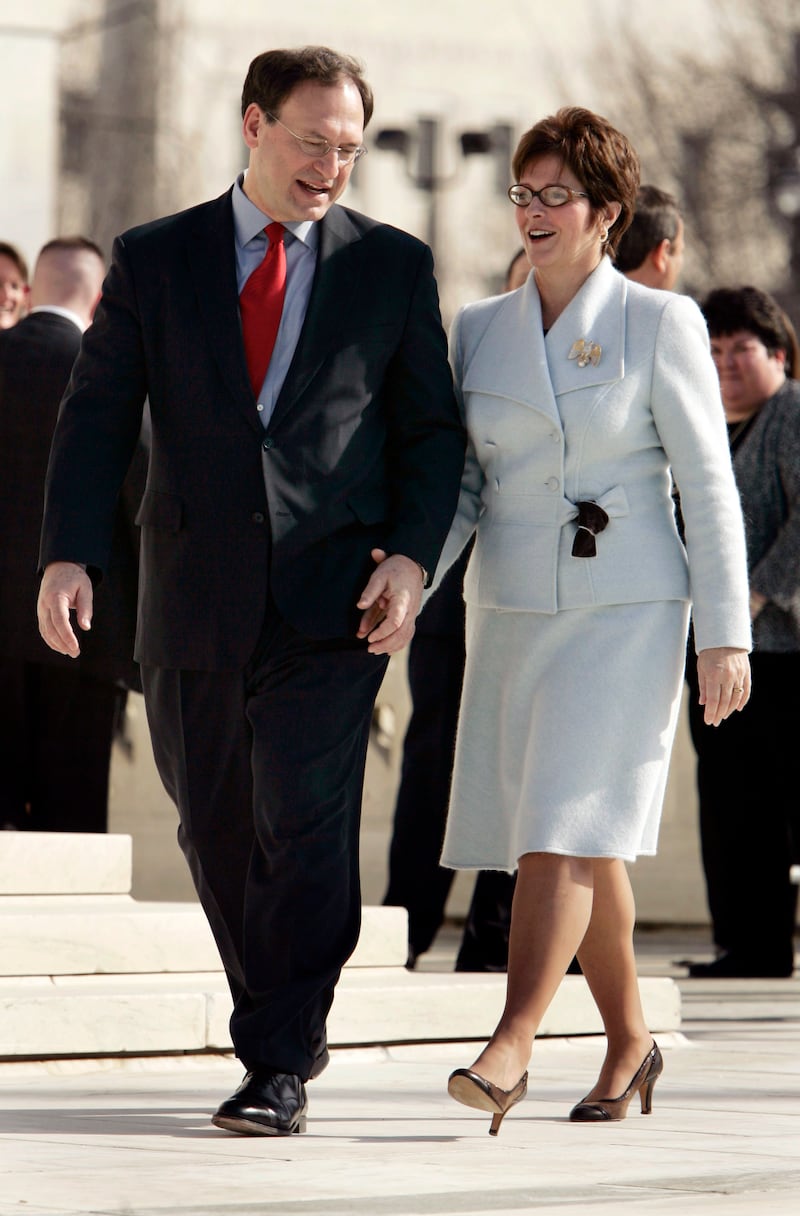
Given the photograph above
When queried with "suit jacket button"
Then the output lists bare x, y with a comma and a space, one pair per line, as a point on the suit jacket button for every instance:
268, 443
552, 483
258, 518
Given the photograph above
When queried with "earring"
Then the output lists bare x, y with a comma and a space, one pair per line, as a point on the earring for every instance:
603, 235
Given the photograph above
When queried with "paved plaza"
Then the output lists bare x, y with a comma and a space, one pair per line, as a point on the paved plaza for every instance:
84, 1138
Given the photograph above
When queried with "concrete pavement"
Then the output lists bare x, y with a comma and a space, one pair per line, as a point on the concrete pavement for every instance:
89, 1138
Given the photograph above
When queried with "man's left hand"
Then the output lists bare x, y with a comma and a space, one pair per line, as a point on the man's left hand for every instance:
391, 601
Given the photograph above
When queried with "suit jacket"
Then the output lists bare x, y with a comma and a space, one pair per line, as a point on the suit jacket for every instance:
36, 358
546, 433
365, 446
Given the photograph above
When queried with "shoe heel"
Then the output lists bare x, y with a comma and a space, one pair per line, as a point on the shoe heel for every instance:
646, 1095
300, 1126
495, 1124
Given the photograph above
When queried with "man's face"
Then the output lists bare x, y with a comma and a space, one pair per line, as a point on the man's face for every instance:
283, 180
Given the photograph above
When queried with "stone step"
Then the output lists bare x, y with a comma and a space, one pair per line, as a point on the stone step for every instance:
158, 1014
54, 935
64, 863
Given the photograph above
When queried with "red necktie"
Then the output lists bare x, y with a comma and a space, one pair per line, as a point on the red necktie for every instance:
261, 305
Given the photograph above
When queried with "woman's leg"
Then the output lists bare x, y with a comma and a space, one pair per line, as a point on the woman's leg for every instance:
607, 959
550, 914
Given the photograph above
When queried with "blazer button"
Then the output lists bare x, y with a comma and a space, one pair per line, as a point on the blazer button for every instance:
258, 518
267, 444
552, 483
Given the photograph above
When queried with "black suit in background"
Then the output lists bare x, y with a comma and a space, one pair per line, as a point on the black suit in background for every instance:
57, 717
416, 880
255, 549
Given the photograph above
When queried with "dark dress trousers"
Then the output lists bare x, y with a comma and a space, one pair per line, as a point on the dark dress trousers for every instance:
255, 548
57, 716
747, 767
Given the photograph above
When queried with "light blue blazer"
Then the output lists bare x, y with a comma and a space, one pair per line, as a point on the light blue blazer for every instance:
546, 433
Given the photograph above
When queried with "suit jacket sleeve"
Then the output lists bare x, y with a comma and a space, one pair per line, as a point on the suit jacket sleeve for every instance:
691, 423
426, 440
104, 399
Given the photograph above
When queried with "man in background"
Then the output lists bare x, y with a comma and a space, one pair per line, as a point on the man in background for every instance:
651, 251
57, 718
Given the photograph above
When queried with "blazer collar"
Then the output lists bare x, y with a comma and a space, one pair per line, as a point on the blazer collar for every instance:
596, 315
518, 361
212, 261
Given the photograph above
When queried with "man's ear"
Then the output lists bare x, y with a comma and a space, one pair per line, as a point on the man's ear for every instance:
659, 255
250, 124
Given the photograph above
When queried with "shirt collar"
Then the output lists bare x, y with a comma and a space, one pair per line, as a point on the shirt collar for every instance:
249, 221
60, 312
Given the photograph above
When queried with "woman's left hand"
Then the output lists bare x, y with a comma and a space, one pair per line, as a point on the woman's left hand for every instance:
724, 677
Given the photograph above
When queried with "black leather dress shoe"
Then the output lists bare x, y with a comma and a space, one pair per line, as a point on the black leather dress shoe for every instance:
265, 1104
737, 966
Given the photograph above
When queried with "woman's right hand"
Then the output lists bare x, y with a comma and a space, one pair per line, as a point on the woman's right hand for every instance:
723, 673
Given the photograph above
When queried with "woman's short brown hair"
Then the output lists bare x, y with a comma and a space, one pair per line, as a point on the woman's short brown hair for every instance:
600, 156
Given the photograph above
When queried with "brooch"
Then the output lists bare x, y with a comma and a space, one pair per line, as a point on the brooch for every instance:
586, 351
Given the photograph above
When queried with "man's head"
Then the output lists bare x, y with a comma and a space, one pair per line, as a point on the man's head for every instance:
651, 251
69, 273
303, 117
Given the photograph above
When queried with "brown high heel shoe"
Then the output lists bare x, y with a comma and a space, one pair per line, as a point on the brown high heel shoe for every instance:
473, 1090
604, 1110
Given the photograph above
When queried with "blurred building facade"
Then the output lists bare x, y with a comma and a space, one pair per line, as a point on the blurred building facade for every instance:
116, 111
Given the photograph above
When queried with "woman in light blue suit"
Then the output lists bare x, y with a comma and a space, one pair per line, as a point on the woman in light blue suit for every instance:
583, 394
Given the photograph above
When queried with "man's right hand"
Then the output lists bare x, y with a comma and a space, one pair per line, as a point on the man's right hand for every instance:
65, 585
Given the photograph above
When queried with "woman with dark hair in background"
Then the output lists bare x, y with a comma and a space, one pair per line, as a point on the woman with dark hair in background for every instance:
748, 771
581, 391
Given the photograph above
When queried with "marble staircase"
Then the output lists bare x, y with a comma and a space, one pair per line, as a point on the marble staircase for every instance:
85, 970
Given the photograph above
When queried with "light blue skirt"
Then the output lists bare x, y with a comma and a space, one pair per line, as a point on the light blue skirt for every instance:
565, 733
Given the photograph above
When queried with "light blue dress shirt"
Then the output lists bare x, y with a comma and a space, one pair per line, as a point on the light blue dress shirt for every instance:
301, 243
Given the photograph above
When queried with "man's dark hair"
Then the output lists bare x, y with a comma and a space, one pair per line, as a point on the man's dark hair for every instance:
273, 75
68, 243
656, 218
729, 309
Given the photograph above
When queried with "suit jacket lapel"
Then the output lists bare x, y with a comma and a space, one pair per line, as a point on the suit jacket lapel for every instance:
595, 314
335, 287
212, 261
510, 359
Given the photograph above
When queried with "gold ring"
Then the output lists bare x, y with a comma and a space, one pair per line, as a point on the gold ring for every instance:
738, 689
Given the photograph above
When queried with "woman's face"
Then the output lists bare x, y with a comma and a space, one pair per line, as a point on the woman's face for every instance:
13, 293
565, 239
748, 373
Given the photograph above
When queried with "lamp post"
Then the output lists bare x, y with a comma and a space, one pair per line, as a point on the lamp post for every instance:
420, 148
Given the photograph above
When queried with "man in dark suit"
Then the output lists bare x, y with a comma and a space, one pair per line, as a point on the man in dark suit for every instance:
57, 718
290, 521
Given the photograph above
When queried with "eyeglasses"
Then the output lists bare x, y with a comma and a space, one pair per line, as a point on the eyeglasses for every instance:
319, 148
551, 196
